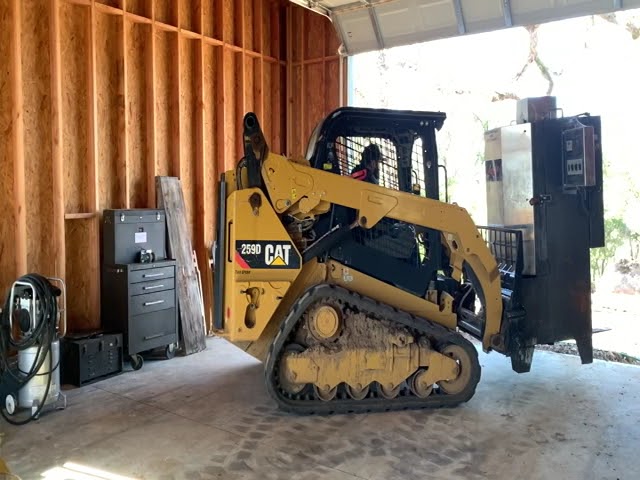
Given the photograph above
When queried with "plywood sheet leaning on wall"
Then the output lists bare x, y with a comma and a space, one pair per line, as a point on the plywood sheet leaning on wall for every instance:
170, 197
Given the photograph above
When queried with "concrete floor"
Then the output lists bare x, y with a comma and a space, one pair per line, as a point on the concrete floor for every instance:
208, 416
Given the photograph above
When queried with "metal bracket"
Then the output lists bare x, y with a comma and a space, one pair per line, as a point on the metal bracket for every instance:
540, 199
375, 24
457, 5
506, 10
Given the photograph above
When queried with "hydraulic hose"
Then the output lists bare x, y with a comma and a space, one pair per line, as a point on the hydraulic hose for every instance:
42, 336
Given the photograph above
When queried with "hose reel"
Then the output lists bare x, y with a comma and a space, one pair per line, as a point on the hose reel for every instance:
31, 325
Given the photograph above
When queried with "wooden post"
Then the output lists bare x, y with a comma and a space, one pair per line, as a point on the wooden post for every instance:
56, 143
123, 121
260, 98
303, 99
150, 102
243, 9
17, 117
93, 189
324, 66
174, 104
202, 183
289, 80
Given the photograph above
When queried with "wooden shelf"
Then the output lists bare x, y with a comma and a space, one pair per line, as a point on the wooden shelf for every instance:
79, 216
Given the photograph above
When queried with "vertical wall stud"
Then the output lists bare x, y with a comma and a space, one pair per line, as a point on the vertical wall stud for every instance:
92, 106
18, 140
123, 172
289, 79
150, 103
56, 143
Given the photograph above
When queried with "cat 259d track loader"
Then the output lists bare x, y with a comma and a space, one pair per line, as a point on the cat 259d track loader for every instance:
361, 295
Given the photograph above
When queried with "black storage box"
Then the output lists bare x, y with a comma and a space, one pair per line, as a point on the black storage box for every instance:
126, 232
87, 360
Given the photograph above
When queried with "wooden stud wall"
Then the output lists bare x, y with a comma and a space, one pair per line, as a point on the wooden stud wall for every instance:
100, 96
317, 75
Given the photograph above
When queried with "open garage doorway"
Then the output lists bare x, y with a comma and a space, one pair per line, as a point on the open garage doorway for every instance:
589, 64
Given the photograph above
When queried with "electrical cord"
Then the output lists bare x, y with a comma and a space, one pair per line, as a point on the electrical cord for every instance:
43, 335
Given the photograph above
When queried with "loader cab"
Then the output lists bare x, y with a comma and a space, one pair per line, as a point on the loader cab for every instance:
406, 140
394, 252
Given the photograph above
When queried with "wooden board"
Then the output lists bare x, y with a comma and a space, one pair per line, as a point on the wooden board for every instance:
239, 96
180, 247
333, 75
166, 11
137, 129
248, 87
80, 276
246, 27
210, 11
166, 83
207, 176
7, 223
190, 15
267, 117
231, 120
187, 127
110, 102
36, 76
74, 44
314, 29
227, 18
316, 108
111, 3
140, 7
297, 119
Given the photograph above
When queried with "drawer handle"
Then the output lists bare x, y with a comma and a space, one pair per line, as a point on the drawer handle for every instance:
157, 302
152, 275
152, 287
151, 337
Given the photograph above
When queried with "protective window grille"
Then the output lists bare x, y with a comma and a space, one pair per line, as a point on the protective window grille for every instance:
349, 154
506, 247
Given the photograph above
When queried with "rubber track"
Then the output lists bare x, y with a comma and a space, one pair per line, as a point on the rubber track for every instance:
306, 403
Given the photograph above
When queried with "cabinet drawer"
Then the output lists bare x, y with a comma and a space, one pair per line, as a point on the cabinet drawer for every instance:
152, 287
151, 274
151, 330
152, 302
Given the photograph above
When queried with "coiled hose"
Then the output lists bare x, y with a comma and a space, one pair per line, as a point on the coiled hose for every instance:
43, 335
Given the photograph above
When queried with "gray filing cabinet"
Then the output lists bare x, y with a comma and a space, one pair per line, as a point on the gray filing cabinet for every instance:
140, 300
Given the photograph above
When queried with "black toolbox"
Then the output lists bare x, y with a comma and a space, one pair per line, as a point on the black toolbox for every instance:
89, 358
126, 232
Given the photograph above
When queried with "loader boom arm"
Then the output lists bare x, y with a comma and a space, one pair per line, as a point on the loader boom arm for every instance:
295, 186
